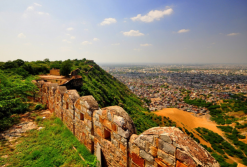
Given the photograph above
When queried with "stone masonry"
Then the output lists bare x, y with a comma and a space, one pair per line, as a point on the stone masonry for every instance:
110, 133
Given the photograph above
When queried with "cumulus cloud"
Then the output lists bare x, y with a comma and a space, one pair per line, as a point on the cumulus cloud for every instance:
21, 35
96, 39
183, 30
133, 33
72, 37
37, 4
115, 44
232, 34
86, 43
146, 44
70, 29
108, 21
30, 8
153, 15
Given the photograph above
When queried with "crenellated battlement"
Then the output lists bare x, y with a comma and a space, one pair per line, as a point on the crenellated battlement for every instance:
110, 133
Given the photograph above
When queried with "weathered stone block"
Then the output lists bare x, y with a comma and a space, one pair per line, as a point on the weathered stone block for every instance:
124, 141
137, 160
168, 148
165, 137
160, 163
119, 120
123, 148
153, 151
115, 143
109, 116
97, 124
185, 158
135, 149
123, 133
107, 124
146, 156
140, 143
116, 136
101, 120
168, 159
149, 164
179, 164
99, 133
114, 127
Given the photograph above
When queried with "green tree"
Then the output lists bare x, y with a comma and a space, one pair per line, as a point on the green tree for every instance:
66, 67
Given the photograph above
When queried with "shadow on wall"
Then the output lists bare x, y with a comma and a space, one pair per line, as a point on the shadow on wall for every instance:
110, 133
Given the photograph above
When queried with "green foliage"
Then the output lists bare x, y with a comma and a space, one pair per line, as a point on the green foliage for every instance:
25, 69
38, 119
66, 67
39, 107
222, 161
50, 146
219, 144
191, 135
56, 64
13, 97
241, 126
218, 111
225, 128
207, 148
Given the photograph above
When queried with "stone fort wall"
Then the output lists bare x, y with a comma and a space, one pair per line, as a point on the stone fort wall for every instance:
110, 133
55, 72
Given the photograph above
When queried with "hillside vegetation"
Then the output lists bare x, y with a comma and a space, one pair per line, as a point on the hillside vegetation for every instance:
106, 89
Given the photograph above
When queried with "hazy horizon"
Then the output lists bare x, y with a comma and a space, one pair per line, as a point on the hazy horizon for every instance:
125, 32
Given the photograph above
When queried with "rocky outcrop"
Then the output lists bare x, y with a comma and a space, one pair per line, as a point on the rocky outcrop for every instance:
110, 133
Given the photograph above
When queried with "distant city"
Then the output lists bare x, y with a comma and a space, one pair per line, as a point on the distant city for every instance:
166, 86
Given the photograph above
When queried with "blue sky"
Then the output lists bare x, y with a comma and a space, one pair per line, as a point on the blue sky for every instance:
117, 31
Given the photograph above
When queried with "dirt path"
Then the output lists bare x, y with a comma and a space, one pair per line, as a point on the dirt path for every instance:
188, 120
27, 123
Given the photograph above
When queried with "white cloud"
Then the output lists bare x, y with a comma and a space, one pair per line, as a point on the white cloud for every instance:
72, 37
115, 44
70, 28
30, 8
133, 33
232, 34
183, 30
96, 39
43, 13
86, 43
146, 44
21, 35
153, 15
86, 29
37, 4
108, 21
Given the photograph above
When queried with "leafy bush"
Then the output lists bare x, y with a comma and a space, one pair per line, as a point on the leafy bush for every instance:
39, 107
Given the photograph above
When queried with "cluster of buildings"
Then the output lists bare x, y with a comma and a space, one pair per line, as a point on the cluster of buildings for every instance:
167, 87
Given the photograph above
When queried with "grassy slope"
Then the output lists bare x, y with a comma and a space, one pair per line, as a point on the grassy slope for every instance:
108, 91
51, 146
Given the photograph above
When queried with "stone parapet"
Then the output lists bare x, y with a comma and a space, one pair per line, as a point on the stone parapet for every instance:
110, 133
